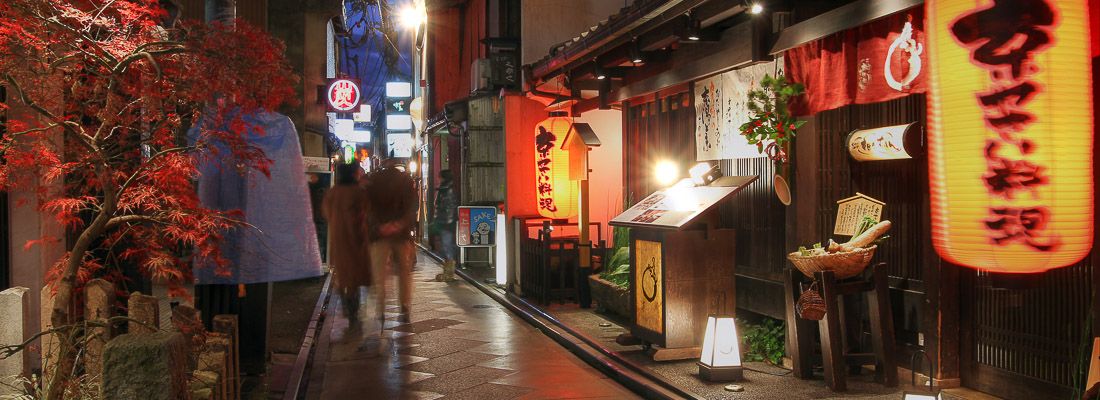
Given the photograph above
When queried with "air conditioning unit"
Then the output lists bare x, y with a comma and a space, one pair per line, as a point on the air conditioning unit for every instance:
481, 74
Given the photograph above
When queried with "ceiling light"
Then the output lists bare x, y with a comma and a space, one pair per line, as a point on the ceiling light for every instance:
636, 55
756, 8
600, 73
691, 31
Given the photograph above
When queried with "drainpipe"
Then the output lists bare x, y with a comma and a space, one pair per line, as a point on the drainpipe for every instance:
223, 11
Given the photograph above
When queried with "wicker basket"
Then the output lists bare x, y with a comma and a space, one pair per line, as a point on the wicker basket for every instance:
844, 265
810, 304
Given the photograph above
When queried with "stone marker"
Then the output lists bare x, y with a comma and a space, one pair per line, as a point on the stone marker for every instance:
99, 295
149, 366
146, 310
226, 324
14, 307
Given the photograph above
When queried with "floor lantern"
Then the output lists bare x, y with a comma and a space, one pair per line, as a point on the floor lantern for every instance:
556, 194
720, 360
1010, 136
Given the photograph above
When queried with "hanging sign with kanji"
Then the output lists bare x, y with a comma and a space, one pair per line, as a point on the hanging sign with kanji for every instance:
342, 95
1010, 133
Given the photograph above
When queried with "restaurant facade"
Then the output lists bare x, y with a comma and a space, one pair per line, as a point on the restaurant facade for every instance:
926, 112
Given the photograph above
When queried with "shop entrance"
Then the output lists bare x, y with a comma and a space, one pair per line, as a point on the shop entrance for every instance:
1025, 343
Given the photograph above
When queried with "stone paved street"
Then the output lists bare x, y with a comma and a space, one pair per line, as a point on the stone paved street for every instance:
459, 344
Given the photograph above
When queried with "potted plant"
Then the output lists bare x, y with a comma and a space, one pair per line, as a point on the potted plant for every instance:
772, 127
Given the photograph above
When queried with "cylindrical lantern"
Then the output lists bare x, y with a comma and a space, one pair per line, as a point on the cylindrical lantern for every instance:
1010, 133
555, 193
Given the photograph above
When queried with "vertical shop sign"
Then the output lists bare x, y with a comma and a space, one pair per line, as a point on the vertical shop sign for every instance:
648, 294
555, 193
1010, 138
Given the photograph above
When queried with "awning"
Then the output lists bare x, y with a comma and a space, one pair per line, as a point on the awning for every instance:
839, 19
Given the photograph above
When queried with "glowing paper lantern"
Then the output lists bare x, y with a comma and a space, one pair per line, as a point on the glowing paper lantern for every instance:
557, 196
720, 359
1010, 133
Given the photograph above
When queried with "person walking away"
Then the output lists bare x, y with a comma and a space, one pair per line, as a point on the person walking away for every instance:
444, 218
346, 207
394, 205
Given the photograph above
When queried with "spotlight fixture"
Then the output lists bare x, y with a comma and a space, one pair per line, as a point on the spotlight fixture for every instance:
756, 8
691, 31
636, 52
600, 73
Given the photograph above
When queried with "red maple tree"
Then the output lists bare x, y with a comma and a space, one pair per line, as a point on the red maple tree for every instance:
112, 91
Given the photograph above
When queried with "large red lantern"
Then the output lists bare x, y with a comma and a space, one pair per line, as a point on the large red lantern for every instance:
557, 196
1010, 133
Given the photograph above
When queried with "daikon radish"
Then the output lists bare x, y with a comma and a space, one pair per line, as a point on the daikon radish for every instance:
867, 237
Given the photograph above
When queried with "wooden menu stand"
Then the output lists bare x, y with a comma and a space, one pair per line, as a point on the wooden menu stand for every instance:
833, 355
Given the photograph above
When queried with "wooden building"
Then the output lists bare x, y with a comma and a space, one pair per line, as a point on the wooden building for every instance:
1009, 339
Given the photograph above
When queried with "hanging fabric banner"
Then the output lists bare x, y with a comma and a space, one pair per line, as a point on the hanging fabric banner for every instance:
879, 61
721, 106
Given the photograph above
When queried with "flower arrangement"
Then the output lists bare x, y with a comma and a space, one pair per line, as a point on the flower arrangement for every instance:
771, 127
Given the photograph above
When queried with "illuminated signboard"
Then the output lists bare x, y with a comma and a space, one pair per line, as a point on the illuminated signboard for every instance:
1010, 133
342, 95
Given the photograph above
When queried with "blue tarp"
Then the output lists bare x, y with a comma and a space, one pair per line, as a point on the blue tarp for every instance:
282, 242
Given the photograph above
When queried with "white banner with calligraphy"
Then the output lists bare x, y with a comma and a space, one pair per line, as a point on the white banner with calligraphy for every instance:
721, 106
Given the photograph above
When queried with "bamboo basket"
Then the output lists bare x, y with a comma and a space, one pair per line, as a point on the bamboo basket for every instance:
844, 265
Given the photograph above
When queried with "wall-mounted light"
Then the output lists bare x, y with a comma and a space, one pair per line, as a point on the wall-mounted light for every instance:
885, 143
754, 7
704, 173
720, 360
636, 55
666, 172
411, 17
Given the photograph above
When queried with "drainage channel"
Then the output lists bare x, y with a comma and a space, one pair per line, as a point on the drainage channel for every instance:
296, 383
631, 375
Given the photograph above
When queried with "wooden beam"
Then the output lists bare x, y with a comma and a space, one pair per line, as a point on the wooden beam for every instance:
839, 19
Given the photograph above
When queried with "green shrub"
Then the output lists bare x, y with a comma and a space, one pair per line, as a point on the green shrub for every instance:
764, 342
617, 269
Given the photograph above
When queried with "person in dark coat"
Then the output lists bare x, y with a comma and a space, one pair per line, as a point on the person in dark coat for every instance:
346, 208
394, 205
443, 222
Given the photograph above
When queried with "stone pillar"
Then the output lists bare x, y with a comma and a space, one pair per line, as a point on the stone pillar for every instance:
99, 295
145, 310
214, 361
150, 366
226, 324
15, 307
187, 321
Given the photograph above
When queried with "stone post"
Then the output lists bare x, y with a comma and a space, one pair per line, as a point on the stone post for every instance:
214, 361
15, 307
148, 365
99, 296
226, 324
188, 322
146, 310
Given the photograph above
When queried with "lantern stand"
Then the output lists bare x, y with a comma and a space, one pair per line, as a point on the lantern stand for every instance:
581, 139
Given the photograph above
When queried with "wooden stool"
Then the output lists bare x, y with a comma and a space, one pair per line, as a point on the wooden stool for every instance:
833, 354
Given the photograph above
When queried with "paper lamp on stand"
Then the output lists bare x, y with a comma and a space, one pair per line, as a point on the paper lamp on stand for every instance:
721, 357
557, 195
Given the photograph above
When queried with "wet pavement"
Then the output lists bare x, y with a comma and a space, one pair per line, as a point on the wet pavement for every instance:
458, 344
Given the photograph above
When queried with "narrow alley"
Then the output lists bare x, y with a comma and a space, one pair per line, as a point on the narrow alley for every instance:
459, 344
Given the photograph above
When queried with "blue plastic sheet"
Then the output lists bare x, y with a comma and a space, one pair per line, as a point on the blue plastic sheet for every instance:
281, 243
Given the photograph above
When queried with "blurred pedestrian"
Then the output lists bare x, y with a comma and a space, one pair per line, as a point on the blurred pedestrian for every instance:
443, 223
346, 207
394, 205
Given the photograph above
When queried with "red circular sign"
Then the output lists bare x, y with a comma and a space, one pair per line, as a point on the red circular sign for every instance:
343, 95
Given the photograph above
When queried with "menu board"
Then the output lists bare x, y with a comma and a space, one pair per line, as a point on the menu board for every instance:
678, 205
851, 211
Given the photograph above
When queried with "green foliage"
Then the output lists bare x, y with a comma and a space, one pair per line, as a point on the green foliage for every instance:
617, 268
764, 342
771, 121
